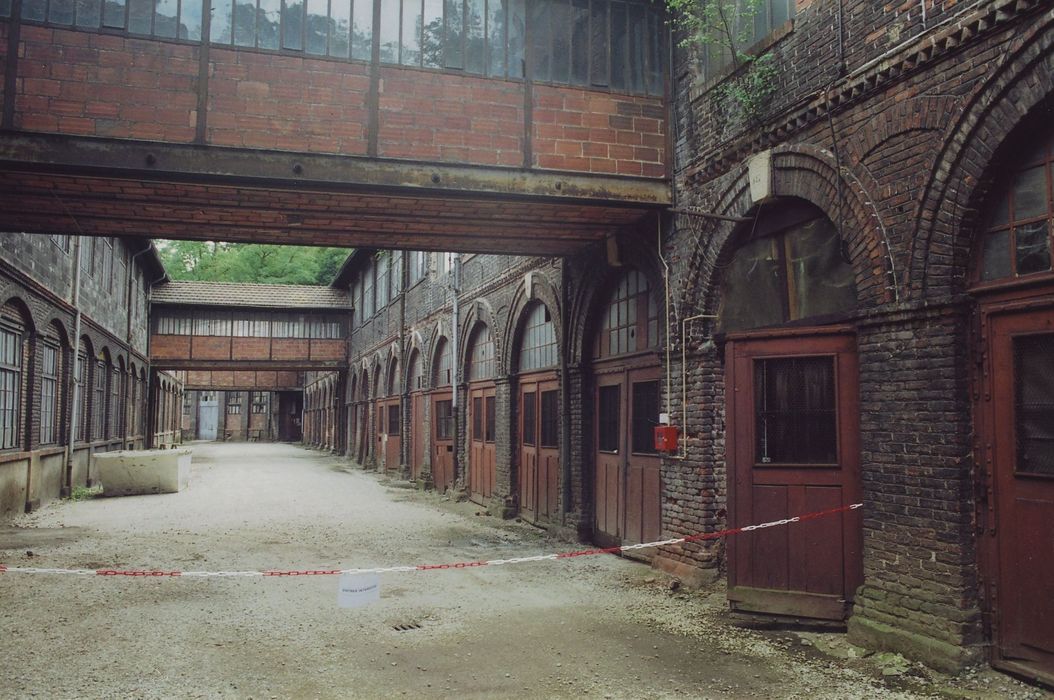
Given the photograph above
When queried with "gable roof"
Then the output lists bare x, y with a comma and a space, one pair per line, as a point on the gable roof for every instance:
266, 296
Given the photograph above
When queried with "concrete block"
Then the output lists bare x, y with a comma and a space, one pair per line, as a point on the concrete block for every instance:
136, 472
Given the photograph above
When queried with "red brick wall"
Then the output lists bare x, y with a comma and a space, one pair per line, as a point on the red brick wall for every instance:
250, 348
102, 85
328, 349
287, 103
169, 347
289, 349
210, 348
598, 132
450, 118
288, 379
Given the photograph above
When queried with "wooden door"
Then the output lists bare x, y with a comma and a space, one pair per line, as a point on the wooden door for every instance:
793, 448
1020, 436
392, 435
539, 477
417, 434
627, 480
442, 440
482, 469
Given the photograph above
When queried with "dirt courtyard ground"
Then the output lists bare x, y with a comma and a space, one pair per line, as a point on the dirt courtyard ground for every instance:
594, 627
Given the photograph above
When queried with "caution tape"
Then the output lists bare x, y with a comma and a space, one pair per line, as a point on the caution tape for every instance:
556, 556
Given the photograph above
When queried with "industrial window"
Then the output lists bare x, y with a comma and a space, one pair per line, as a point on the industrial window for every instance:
794, 407
1034, 403
477, 418
212, 323
251, 324
98, 423
260, 401
530, 418
483, 364
538, 344
116, 381
418, 266
645, 416
187, 403
444, 420
490, 407
107, 262
83, 376
393, 419
395, 384
550, 419
383, 263
136, 408
446, 262
62, 241
444, 365
234, 403
368, 298
49, 400
11, 342
417, 372
288, 326
631, 321
749, 21
168, 19
608, 398
1019, 233
174, 323
793, 266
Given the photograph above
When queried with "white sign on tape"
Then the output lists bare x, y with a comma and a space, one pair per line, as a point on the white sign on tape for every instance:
358, 590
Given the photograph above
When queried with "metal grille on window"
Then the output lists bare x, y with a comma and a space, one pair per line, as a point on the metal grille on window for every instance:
794, 405
82, 382
98, 425
1034, 403
115, 401
10, 384
234, 403
49, 373
608, 418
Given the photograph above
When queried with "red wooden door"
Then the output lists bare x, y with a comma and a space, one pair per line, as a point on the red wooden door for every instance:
1020, 435
393, 438
417, 438
539, 449
793, 448
627, 483
482, 469
442, 440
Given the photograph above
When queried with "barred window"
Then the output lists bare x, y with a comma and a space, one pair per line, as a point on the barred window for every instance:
98, 424
83, 376
49, 382
483, 364
11, 348
116, 409
234, 402
538, 344
260, 401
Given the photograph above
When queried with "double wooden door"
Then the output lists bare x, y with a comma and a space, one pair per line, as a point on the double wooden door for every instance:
539, 478
793, 448
627, 483
442, 440
389, 424
417, 434
482, 456
1017, 430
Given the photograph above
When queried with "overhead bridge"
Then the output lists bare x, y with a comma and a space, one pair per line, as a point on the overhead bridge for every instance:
113, 125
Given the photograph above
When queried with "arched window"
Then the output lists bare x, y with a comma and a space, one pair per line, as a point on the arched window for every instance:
1019, 230
538, 341
444, 365
395, 383
789, 266
631, 320
51, 365
482, 363
84, 372
417, 372
116, 392
12, 359
101, 374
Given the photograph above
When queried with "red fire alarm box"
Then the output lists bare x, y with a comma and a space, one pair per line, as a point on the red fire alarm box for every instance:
666, 438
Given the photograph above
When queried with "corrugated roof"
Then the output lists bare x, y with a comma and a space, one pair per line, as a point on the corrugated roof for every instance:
270, 296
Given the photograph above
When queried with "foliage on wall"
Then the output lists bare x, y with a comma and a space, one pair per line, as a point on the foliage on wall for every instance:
250, 262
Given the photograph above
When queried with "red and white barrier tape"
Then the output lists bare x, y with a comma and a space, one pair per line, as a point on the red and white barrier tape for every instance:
139, 573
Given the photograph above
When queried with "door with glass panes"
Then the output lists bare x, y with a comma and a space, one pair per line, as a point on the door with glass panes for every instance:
539, 477
482, 470
792, 448
442, 440
627, 481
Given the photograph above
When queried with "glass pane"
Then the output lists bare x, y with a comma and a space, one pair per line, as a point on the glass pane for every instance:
598, 60
752, 288
794, 405
822, 281
645, 416
293, 24
432, 45
393, 420
1033, 248
496, 36
1030, 193
550, 423
619, 51
540, 39
166, 18
491, 418
579, 42
517, 37
475, 49
340, 28
88, 13
35, 9
244, 23
389, 31
995, 258
317, 27
999, 210
530, 419
655, 62
411, 50
140, 16
222, 12
560, 15
477, 419
1034, 403
608, 418
61, 12
362, 30
190, 20
454, 53
637, 48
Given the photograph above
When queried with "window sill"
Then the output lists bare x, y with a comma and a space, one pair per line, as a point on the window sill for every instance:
703, 85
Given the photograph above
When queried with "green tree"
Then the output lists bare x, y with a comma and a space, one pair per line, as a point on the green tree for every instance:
250, 262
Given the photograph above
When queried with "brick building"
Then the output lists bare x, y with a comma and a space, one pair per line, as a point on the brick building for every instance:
843, 297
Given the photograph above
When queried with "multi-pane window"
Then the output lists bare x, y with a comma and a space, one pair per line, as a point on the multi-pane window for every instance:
794, 267
1019, 234
417, 373
549, 434
794, 407
98, 423
251, 324
174, 323
444, 365
136, 393
116, 409
483, 364
83, 375
368, 297
631, 323
383, 265
538, 345
356, 300
418, 266
62, 241
397, 273
645, 416
167, 19
477, 418
444, 420
530, 418
214, 323
234, 402
748, 22
342, 29
11, 339
446, 262
395, 383
49, 397
608, 398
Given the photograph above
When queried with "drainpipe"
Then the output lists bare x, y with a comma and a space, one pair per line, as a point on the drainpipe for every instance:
129, 300
455, 288
75, 387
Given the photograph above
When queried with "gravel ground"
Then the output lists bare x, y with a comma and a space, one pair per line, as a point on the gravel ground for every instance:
601, 627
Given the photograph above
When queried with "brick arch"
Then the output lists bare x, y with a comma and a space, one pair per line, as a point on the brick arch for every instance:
415, 346
23, 310
58, 329
916, 114
961, 176
479, 312
806, 172
542, 291
392, 367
